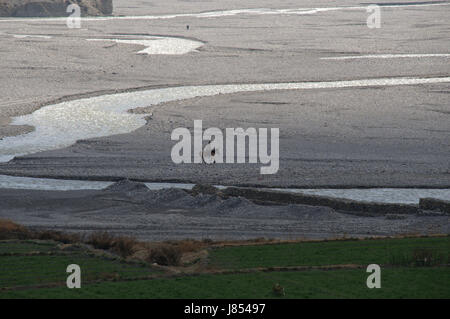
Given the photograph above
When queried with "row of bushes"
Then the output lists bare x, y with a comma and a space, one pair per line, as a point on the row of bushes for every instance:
166, 254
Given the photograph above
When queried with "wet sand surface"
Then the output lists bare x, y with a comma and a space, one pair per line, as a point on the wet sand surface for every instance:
378, 136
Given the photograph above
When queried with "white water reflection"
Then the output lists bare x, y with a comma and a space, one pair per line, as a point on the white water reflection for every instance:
389, 56
24, 36
380, 195
160, 45
61, 125
50, 184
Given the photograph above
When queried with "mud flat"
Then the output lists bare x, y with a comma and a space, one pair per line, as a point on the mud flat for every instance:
373, 136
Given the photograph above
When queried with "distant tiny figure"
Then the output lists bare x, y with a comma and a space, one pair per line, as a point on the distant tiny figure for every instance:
187, 27
209, 153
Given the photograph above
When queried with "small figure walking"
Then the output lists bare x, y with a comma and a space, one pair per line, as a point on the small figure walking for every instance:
208, 154
187, 27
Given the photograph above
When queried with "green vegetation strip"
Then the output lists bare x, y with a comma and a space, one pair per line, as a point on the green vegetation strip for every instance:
396, 283
24, 247
36, 270
44, 276
360, 252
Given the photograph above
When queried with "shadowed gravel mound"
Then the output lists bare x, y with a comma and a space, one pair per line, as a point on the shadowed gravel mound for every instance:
237, 207
164, 197
127, 186
127, 208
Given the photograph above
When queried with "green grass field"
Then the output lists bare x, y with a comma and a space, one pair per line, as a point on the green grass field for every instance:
23, 247
360, 252
396, 283
26, 265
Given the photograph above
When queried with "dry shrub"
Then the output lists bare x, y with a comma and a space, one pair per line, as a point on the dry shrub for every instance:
101, 240
165, 255
188, 245
8, 225
191, 245
11, 230
124, 246
64, 238
207, 241
261, 240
